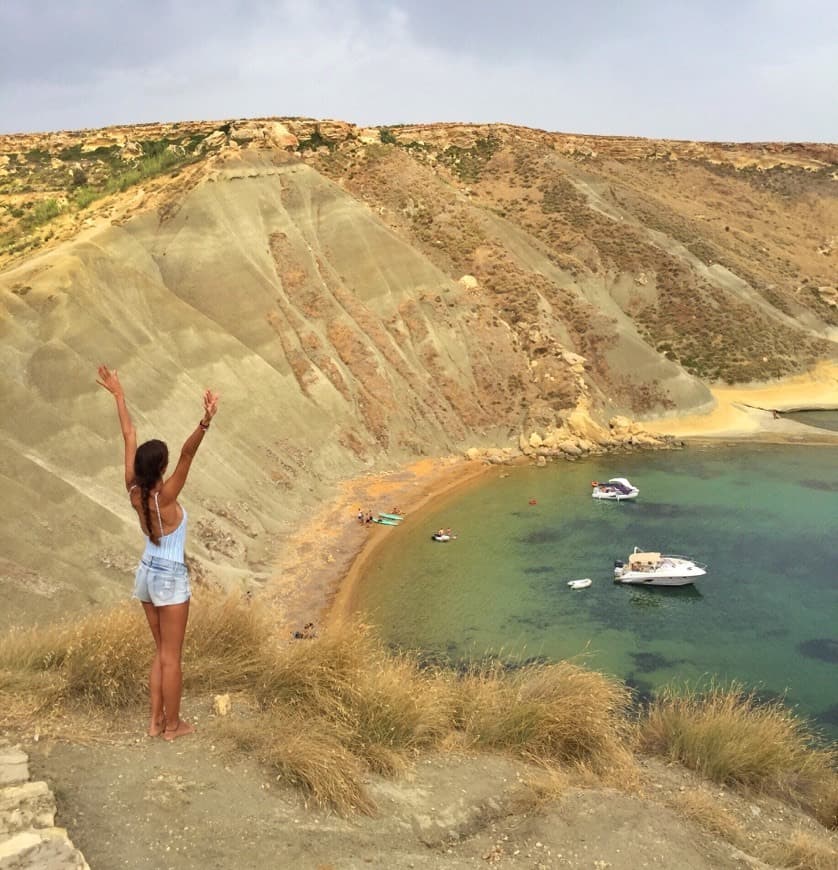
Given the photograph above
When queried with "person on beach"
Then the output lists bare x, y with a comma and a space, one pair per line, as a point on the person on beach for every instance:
162, 580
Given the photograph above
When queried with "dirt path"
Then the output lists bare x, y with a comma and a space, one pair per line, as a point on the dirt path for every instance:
141, 803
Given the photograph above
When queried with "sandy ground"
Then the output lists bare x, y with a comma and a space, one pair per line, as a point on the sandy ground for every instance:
139, 803
747, 412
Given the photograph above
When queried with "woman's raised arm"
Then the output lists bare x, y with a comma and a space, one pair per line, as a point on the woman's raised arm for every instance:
173, 486
109, 379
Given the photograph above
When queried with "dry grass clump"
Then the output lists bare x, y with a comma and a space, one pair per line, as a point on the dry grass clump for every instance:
805, 851
308, 752
558, 713
383, 705
103, 659
727, 735
327, 711
703, 808
226, 643
95, 660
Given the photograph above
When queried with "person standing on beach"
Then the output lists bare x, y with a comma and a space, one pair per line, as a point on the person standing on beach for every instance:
162, 579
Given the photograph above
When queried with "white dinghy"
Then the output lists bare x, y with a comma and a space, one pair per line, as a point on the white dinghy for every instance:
584, 583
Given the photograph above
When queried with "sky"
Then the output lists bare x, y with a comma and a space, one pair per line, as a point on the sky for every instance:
740, 70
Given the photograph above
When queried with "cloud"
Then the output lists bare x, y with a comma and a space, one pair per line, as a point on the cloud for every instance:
752, 70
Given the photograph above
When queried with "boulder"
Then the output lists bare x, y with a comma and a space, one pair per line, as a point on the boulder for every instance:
214, 140
573, 359
14, 766
247, 132
30, 805
569, 448
278, 134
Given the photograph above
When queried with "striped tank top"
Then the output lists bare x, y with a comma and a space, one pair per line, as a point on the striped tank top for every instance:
171, 546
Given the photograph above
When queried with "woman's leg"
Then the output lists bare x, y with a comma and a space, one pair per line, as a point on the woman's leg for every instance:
155, 678
173, 619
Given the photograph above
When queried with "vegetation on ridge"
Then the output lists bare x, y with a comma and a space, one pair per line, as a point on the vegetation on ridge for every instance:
38, 186
323, 712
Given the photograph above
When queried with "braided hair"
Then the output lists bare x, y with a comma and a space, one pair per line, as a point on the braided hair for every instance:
150, 460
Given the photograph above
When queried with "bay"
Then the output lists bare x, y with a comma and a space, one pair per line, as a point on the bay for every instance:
764, 519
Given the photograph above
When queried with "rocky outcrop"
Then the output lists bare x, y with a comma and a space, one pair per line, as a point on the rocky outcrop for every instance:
578, 436
29, 839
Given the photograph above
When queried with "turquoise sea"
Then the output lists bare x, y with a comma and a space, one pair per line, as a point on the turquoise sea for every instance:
763, 518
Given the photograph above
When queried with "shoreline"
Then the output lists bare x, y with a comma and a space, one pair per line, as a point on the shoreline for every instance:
316, 579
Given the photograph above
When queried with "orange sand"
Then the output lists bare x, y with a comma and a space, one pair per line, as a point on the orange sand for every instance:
746, 412
315, 577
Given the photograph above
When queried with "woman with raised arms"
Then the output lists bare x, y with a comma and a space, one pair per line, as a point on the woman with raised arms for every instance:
162, 579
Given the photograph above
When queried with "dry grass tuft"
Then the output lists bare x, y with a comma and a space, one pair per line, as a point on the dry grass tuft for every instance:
703, 808
383, 706
307, 752
727, 735
560, 713
545, 784
805, 851
328, 711
226, 644
102, 659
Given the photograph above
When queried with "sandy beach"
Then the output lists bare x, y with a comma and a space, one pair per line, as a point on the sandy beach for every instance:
746, 412
316, 575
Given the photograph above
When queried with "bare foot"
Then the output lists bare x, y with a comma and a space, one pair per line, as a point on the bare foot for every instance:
180, 730
155, 729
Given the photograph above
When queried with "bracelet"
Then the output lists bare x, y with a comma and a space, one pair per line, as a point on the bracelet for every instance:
204, 425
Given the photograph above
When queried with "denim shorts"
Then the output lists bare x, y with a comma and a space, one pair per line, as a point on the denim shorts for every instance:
162, 581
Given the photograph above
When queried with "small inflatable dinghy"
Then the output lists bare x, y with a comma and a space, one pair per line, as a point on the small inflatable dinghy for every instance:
580, 584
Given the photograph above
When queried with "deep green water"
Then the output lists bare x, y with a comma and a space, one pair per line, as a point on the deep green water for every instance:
764, 518
820, 419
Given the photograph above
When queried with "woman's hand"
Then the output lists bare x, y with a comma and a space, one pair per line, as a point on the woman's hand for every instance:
110, 381
210, 405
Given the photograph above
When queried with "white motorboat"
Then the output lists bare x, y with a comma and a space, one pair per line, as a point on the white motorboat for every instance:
657, 569
616, 489
584, 583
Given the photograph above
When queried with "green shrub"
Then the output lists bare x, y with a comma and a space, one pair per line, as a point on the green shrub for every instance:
83, 196
43, 211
